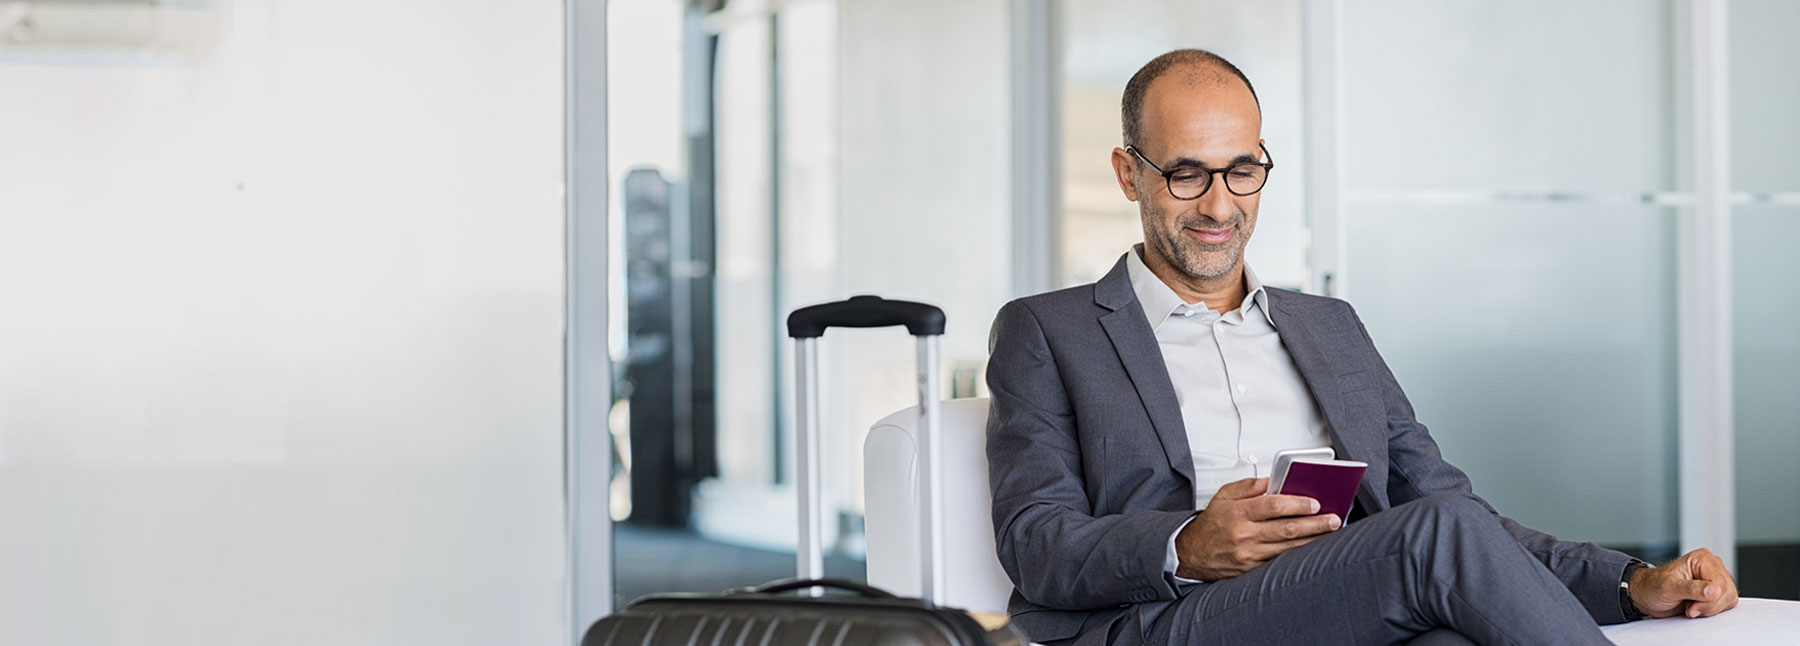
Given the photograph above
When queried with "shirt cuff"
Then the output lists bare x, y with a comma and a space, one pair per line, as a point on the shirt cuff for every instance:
1171, 563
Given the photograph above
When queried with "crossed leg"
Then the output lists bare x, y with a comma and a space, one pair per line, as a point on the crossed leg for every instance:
1438, 562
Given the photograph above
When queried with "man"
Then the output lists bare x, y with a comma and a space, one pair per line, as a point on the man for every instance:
1122, 407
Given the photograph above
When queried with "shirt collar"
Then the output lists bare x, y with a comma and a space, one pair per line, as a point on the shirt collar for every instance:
1159, 300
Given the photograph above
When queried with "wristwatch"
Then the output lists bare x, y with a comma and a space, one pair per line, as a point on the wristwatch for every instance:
1630, 609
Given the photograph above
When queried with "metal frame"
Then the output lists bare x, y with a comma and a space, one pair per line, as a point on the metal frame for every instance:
1036, 145
587, 381
1707, 487
1321, 119
931, 476
809, 548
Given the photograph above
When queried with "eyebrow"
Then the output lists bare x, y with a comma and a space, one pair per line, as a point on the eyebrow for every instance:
1190, 162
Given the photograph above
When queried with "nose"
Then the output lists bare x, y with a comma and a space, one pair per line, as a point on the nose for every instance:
1215, 203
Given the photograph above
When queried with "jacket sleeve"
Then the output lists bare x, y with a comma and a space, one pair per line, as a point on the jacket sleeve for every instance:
1417, 469
1056, 550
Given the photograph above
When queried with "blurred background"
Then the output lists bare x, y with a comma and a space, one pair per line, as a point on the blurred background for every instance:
459, 322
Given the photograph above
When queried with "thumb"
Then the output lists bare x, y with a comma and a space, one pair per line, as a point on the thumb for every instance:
1241, 489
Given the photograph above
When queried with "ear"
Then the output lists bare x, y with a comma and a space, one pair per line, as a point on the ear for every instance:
1125, 167
1264, 144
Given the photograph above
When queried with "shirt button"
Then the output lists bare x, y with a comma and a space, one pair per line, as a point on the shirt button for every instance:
1240, 387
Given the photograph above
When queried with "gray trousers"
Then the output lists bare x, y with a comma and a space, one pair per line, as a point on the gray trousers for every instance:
1415, 571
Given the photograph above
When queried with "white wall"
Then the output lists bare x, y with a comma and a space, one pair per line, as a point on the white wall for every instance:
281, 354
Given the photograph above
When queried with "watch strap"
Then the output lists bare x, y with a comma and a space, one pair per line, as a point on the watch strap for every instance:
1625, 604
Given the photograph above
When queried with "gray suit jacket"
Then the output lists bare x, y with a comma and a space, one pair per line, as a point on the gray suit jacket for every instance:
1091, 473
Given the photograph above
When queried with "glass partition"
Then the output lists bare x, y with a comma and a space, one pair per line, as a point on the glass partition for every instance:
1766, 302
1529, 96
1506, 170
1544, 365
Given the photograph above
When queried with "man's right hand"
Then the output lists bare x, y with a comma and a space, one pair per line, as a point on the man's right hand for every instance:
1242, 528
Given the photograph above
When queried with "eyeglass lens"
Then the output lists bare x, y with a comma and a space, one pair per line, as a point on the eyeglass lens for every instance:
1188, 184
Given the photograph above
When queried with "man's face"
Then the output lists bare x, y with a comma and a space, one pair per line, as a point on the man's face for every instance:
1194, 118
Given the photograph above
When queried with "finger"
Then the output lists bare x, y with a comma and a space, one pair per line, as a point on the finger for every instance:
1280, 506
1687, 590
1241, 489
1695, 564
1712, 568
1727, 600
1721, 590
1287, 529
1266, 552
1703, 607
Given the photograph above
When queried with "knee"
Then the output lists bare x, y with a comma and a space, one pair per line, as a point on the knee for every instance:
1450, 509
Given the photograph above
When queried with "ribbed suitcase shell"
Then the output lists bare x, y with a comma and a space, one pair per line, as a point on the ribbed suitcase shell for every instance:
750, 619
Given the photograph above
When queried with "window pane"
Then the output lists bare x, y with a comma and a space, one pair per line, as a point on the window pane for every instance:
1767, 375
1541, 357
1526, 95
1764, 97
1536, 337
1765, 302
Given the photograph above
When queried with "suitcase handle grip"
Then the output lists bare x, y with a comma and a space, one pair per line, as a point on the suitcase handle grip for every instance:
920, 319
790, 585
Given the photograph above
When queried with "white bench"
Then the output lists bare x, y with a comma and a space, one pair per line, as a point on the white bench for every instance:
974, 580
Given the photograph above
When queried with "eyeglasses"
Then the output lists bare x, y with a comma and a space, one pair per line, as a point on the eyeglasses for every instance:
1191, 182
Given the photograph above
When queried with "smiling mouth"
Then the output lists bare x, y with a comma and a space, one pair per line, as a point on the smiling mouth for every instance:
1212, 236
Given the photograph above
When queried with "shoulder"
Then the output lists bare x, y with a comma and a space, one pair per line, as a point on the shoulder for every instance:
1068, 299
1044, 314
1309, 305
1332, 319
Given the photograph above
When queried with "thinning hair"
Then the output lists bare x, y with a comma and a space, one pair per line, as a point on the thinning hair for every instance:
1131, 109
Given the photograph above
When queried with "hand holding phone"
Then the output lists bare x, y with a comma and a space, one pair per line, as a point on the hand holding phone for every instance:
1315, 473
1285, 459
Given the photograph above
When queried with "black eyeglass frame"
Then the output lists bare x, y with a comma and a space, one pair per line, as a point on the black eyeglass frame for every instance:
1169, 184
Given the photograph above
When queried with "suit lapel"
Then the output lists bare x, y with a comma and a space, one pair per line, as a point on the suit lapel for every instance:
1136, 344
1301, 335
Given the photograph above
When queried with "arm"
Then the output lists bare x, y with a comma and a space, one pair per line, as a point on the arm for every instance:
1417, 469
1051, 543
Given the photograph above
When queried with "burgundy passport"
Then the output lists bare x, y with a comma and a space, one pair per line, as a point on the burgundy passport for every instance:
1331, 482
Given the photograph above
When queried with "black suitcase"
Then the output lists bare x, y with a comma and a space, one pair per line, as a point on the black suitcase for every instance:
810, 610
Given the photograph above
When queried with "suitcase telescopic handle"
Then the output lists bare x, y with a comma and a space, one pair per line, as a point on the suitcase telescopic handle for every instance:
920, 319
806, 325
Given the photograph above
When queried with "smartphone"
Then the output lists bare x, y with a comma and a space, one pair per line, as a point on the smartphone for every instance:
1279, 472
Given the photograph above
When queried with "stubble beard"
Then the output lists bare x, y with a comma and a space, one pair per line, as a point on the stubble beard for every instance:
1192, 257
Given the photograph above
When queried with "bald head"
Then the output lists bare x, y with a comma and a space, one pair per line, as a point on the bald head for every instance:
1193, 69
